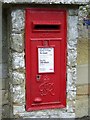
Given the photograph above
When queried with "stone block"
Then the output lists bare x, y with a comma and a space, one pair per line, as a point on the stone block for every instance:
4, 97
17, 42
81, 106
18, 109
1, 84
68, 116
73, 12
48, 1
0, 113
82, 74
4, 43
18, 60
82, 55
72, 44
0, 52
5, 54
71, 95
18, 20
0, 32
0, 98
6, 111
71, 58
1, 71
72, 27
17, 77
4, 84
40, 114
4, 70
83, 89
18, 94
71, 106
71, 79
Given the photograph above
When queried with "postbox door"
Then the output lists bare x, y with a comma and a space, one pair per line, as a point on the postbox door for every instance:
45, 61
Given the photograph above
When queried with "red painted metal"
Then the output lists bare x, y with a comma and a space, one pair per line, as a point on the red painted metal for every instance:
45, 28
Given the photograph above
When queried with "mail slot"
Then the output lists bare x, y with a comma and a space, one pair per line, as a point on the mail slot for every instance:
45, 55
43, 26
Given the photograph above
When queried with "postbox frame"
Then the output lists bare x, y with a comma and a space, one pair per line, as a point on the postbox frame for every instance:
27, 48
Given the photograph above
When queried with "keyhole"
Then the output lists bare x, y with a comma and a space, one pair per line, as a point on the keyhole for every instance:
38, 77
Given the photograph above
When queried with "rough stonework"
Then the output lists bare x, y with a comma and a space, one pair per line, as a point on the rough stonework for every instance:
48, 1
17, 68
19, 44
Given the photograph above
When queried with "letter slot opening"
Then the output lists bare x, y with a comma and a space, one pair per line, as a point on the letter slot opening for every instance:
46, 27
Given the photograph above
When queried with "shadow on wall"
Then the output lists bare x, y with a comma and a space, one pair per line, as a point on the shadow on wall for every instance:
5, 79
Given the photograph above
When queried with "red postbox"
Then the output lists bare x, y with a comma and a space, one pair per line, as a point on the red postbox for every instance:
45, 49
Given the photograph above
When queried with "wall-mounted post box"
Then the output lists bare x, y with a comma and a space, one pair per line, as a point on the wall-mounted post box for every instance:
45, 59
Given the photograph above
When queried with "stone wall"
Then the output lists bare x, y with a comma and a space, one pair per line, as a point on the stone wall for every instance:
4, 66
16, 66
83, 83
0, 59
48, 1
83, 36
